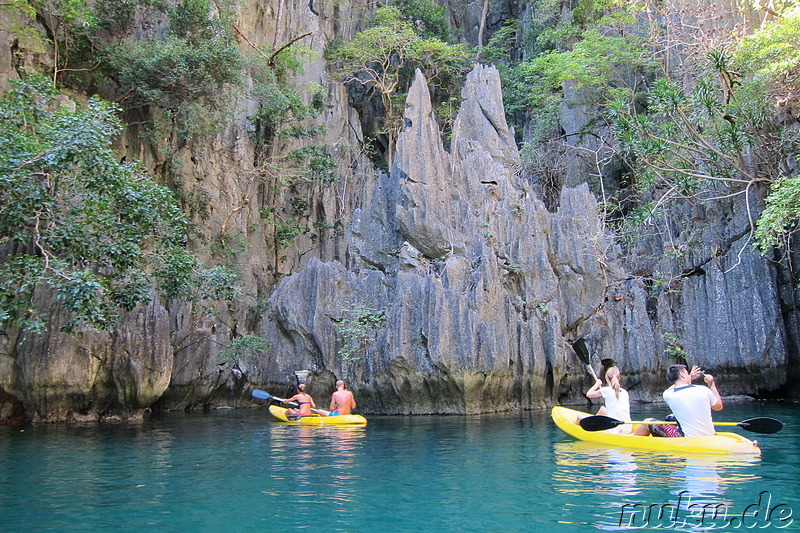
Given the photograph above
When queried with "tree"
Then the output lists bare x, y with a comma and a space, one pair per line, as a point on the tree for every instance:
719, 136
358, 327
770, 61
98, 234
246, 346
185, 72
693, 116
484, 13
429, 19
66, 21
384, 56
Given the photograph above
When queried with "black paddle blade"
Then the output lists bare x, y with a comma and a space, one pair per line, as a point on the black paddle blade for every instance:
599, 423
582, 350
762, 424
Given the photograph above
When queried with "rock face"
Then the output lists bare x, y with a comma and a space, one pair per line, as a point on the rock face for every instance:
483, 288
96, 376
452, 289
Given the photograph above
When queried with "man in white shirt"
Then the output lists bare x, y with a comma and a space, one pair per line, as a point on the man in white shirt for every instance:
691, 404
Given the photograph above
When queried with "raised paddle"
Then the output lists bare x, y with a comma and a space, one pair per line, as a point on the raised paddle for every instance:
756, 425
583, 354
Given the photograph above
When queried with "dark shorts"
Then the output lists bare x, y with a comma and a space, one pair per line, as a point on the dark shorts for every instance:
665, 430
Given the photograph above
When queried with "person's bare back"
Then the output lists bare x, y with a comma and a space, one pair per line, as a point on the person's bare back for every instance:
342, 401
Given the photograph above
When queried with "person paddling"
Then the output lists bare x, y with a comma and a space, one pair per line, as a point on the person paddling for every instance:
616, 399
304, 402
342, 401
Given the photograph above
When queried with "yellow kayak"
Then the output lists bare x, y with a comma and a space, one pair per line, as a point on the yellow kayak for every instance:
723, 442
318, 420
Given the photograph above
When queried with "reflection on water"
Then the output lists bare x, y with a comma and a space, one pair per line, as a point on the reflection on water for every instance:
583, 468
700, 477
622, 473
624, 478
630, 471
323, 462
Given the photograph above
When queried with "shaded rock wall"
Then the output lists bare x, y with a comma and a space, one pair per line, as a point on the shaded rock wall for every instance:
93, 376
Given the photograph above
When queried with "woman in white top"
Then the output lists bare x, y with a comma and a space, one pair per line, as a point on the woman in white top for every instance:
617, 404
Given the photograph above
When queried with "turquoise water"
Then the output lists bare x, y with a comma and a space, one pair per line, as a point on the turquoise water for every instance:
238, 471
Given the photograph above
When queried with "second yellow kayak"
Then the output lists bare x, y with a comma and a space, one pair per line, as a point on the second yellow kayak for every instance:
722, 442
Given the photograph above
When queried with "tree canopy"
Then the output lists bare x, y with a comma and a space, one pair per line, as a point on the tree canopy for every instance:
384, 56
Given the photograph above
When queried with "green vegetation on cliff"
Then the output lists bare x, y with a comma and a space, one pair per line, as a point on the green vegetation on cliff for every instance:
100, 234
675, 114
384, 57
97, 232
190, 64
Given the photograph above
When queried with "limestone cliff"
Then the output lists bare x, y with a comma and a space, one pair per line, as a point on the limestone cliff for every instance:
463, 289
483, 288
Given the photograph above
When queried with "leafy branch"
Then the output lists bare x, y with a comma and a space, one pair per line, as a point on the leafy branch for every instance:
244, 346
383, 57
357, 329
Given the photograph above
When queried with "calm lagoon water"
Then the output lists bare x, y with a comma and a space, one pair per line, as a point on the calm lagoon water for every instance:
238, 471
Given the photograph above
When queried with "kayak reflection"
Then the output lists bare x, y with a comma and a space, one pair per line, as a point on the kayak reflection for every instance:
325, 462
587, 469
621, 482
706, 478
584, 467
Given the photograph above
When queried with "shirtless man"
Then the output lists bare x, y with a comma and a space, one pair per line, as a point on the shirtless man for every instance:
342, 401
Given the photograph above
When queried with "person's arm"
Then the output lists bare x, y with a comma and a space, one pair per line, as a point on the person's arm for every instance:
712, 386
594, 392
332, 406
352, 401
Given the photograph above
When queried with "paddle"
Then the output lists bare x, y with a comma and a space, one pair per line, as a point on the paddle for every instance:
583, 354
756, 425
264, 395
